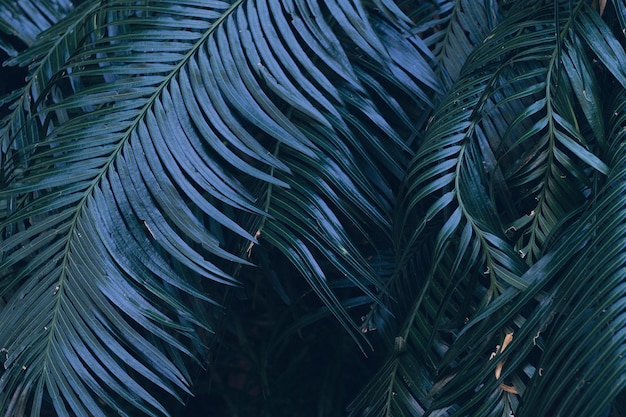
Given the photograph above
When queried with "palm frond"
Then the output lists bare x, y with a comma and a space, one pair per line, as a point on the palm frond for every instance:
505, 143
586, 335
25, 20
459, 28
149, 148
23, 128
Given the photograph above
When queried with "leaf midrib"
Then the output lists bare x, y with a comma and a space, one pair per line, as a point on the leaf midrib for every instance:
105, 168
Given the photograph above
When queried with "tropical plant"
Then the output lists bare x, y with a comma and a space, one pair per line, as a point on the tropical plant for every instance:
446, 176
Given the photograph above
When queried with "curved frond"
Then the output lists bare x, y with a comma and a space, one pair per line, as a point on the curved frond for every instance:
457, 30
510, 160
586, 336
25, 20
151, 148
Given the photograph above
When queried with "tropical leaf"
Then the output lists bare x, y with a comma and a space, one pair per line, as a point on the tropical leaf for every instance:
494, 196
154, 144
25, 20
463, 26
457, 166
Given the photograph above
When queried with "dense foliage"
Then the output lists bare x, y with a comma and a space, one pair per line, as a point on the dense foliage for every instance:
306, 208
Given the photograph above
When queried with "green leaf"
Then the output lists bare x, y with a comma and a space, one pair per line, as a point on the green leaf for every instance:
144, 161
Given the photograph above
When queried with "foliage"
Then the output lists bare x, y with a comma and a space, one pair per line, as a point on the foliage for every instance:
446, 177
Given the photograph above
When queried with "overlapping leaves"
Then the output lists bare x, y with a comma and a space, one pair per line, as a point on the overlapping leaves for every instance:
515, 151
25, 20
152, 145
150, 148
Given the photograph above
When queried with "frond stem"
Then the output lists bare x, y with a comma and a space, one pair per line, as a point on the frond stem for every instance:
59, 289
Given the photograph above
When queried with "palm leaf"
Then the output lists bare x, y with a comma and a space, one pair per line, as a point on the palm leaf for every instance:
25, 20
466, 24
464, 287
149, 148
